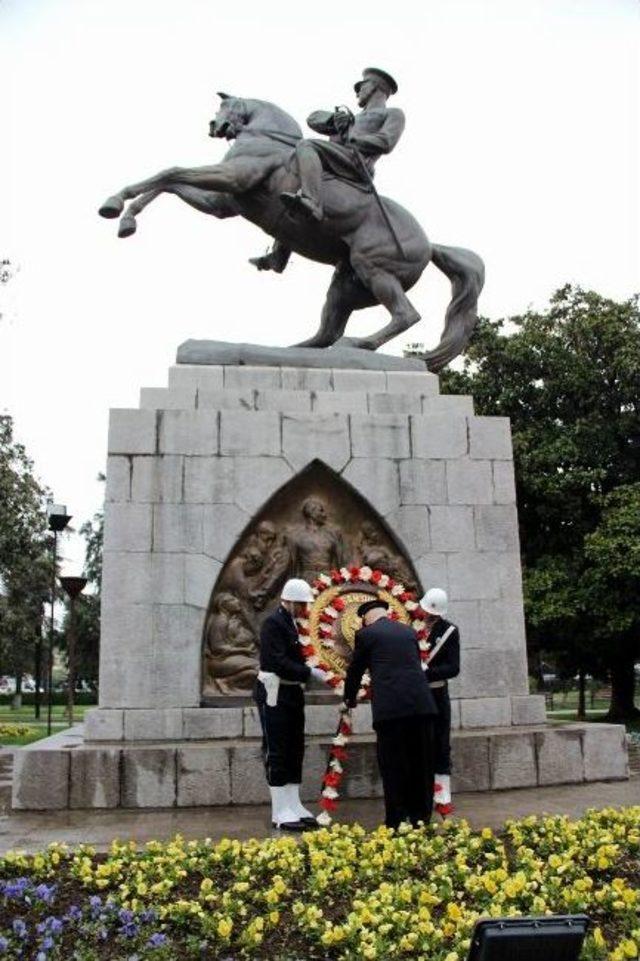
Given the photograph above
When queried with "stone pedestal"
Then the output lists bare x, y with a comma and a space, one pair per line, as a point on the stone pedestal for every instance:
187, 471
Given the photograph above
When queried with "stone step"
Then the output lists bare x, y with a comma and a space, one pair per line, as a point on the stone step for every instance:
221, 772
5, 796
634, 757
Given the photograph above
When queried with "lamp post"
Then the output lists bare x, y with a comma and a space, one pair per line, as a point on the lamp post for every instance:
58, 520
74, 586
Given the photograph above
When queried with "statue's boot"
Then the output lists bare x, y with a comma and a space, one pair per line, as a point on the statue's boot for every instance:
112, 207
268, 262
299, 203
262, 263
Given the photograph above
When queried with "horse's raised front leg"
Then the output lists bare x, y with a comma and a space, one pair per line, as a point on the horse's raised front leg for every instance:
206, 201
233, 177
113, 206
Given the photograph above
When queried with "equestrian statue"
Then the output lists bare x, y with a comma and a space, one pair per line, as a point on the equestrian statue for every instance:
317, 198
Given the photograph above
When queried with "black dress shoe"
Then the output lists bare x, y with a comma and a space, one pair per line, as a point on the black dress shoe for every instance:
289, 826
310, 822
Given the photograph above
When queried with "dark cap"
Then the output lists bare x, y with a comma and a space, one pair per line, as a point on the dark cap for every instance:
372, 73
371, 605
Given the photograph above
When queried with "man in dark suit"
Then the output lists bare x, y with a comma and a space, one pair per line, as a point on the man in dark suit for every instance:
279, 694
443, 664
403, 711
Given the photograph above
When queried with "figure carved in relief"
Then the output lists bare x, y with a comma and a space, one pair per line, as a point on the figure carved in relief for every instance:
231, 653
244, 577
371, 551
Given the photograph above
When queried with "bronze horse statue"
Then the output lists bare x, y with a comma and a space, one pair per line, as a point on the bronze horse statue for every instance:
376, 258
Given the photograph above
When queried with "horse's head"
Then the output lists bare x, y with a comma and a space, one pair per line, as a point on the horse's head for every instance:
231, 117
237, 113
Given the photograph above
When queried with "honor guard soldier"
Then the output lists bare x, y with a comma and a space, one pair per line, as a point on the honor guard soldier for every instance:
279, 694
403, 711
443, 664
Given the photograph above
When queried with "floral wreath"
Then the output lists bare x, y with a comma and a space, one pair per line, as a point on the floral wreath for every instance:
403, 607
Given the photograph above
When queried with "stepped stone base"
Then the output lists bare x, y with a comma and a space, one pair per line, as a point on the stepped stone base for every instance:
67, 771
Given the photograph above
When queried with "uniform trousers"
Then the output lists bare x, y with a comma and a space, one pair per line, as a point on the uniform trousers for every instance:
405, 758
282, 734
442, 730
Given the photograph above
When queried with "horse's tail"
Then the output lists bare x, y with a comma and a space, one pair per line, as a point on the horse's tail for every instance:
465, 270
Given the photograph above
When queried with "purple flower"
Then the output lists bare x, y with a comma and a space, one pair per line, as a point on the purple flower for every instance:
129, 930
14, 889
19, 928
95, 905
45, 892
156, 940
4, 944
125, 915
147, 915
74, 913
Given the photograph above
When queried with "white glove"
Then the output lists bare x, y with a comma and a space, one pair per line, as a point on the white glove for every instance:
318, 675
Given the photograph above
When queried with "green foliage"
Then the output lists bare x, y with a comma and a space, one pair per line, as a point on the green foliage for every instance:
23, 520
613, 553
23, 553
569, 379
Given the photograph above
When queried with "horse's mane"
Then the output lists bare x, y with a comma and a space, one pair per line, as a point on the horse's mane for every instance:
269, 115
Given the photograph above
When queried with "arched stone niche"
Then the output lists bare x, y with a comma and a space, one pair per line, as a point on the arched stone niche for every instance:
314, 522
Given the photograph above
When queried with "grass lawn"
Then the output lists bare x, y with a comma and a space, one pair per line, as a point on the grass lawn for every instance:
37, 727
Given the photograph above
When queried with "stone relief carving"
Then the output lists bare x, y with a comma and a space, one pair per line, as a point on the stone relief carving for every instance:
314, 523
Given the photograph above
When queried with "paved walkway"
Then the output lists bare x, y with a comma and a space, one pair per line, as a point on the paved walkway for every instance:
31, 831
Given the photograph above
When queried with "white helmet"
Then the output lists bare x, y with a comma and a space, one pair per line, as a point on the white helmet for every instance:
435, 601
296, 589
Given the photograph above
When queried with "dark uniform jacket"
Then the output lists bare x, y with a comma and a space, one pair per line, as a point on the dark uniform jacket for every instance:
373, 132
279, 648
446, 663
399, 687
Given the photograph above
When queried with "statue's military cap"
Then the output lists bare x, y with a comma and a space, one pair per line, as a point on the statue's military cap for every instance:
372, 73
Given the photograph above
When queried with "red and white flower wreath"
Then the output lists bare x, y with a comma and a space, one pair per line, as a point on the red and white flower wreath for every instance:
313, 658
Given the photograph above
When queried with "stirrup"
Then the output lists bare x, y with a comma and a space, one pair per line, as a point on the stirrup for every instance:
298, 203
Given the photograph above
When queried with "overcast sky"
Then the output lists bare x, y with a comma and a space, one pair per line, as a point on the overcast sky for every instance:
521, 143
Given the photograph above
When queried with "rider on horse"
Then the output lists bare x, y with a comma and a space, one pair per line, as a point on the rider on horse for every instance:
354, 143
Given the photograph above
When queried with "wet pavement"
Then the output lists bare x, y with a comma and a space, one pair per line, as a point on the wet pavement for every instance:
30, 831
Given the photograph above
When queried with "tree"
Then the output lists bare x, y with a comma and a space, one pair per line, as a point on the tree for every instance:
569, 379
613, 556
23, 554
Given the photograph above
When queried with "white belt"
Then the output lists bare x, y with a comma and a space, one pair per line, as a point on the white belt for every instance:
433, 684
272, 683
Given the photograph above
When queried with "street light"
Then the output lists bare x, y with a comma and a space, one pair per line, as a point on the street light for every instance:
74, 586
58, 520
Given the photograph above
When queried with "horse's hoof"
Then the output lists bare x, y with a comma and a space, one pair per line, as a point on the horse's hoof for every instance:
359, 342
127, 226
111, 208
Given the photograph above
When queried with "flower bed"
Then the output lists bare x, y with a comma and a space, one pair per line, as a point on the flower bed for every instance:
16, 734
340, 893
